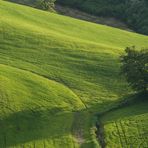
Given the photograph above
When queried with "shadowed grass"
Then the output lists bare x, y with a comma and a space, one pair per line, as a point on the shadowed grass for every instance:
53, 67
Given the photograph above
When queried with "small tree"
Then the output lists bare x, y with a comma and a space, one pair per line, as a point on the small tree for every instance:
135, 68
45, 4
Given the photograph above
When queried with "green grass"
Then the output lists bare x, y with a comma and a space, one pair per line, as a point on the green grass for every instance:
128, 126
56, 73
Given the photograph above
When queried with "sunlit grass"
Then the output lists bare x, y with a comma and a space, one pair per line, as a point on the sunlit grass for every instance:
54, 71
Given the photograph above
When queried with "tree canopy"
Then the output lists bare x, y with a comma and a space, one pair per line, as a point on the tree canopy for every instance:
135, 68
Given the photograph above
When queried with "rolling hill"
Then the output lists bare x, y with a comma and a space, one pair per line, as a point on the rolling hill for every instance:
56, 74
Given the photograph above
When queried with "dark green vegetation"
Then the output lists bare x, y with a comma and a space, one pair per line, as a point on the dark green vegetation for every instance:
133, 12
56, 74
135, 68
45, 4
40, 4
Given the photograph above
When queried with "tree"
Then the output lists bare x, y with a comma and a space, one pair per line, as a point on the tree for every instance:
45, 4
135, 68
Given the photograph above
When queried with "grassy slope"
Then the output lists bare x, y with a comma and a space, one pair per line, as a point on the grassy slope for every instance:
46, 58
128, 126
32, 108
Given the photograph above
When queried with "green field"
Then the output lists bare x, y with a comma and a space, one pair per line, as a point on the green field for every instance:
56, 74
127, 126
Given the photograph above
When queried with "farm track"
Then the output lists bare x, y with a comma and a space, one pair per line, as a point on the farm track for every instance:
118, 131
77, 128
123, 131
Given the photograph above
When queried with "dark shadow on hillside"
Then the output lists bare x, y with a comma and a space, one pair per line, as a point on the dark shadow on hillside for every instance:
75, 13
30, 125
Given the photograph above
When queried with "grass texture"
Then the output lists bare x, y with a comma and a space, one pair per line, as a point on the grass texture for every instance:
56, 73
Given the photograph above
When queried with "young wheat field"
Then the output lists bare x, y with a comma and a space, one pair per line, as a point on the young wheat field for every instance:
56, 74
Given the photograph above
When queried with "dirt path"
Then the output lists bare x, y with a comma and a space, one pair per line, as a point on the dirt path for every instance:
77, 128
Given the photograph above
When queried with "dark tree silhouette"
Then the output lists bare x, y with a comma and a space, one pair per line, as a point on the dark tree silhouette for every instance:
135, 68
